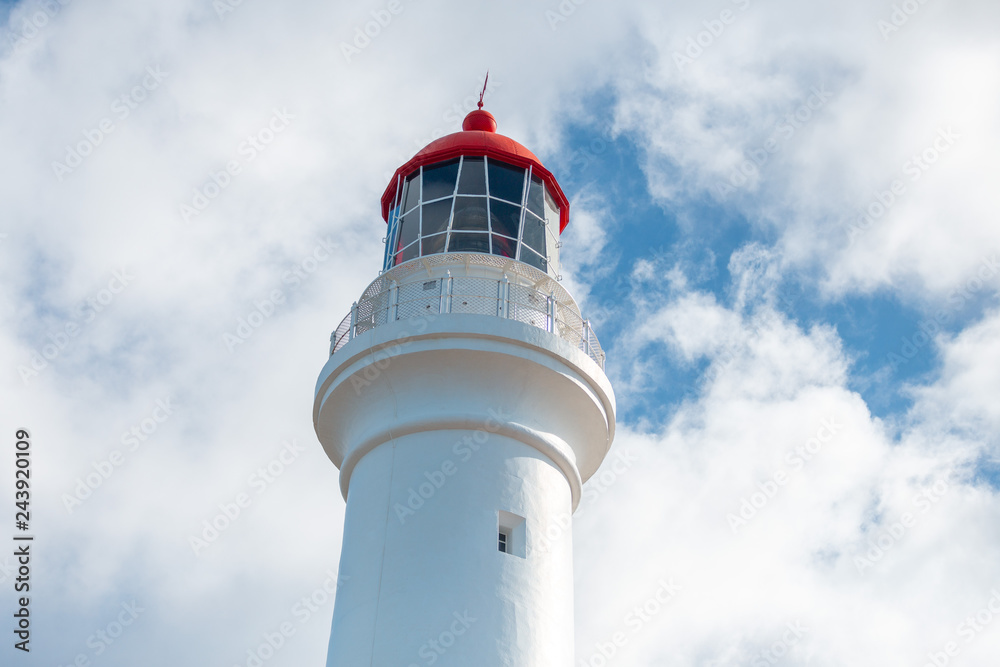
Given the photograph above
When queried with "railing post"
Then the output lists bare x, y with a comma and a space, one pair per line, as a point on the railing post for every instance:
504, 292
446, 291
551, 308
586, 337
393, 300
354, 321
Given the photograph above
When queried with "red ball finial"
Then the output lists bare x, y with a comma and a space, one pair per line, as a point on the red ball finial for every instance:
479, 120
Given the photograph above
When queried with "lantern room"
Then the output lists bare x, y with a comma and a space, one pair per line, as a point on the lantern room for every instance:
475, 191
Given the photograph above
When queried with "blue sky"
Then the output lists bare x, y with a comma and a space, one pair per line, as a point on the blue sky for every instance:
719, 159
872, 326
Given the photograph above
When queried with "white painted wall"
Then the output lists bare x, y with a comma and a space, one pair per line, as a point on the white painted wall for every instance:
406, 575
437, 426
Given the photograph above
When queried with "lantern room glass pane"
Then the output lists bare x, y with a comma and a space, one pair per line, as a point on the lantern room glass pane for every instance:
473, 178
506, 181
408, 253
470, 214
551, 212
504, 218
439, 180
474, 204
409, 226
390, 239
433, 244
404, 185
411, 194
392, 228
469, 242
533, 259
534, 233
536, 196
504, 246
436, 216
397, 199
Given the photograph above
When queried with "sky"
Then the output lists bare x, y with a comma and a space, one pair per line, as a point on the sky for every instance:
783, 227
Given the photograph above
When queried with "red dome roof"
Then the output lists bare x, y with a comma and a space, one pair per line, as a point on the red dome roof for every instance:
480, 119
476, 142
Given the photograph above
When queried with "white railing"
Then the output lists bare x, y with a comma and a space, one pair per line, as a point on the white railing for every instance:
482, 296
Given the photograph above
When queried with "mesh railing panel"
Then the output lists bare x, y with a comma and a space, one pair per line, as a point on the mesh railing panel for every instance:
528, 315
528, 305
419, 290
418, 299
418, 308
569, 325
596, 351
527, 296
541, 280
474, 305
341, 334
478, 296
476, 287
371, 312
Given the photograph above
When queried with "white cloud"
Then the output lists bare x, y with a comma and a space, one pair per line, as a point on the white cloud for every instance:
965, 396
769, 383
867, 106
763, 499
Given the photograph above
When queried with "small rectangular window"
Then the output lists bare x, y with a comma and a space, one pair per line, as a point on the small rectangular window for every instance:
512, 536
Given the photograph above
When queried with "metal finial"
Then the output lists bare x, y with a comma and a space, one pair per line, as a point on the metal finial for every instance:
482, 94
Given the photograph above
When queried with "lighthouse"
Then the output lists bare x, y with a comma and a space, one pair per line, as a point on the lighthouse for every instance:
465, 404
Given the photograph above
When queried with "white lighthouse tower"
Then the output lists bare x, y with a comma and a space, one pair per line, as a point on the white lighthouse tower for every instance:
465, 403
